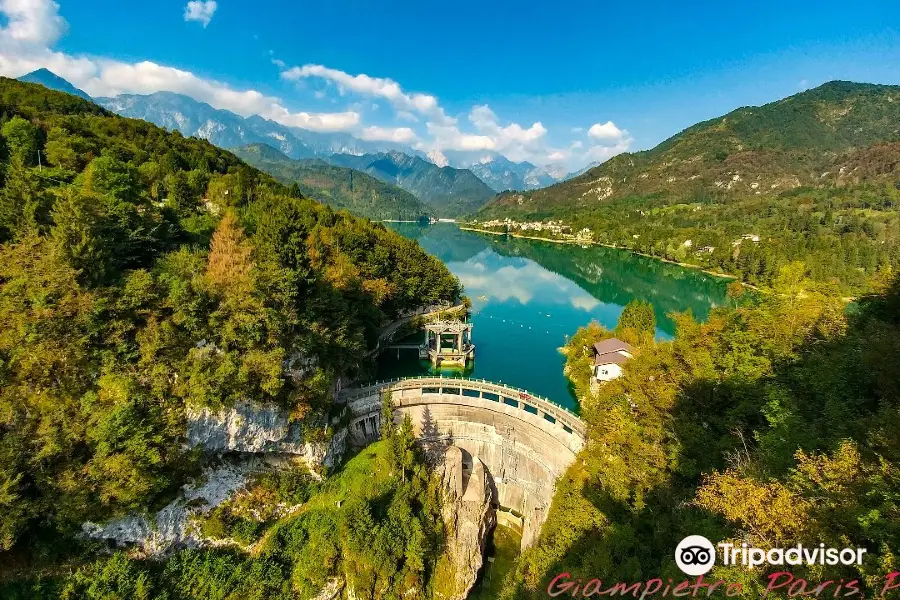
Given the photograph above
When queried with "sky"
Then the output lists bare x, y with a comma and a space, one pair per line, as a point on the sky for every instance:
564, 83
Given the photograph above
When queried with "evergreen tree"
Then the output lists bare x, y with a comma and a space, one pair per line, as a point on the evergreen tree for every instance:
637, 321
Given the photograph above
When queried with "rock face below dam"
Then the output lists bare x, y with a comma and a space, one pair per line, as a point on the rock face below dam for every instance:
524, 442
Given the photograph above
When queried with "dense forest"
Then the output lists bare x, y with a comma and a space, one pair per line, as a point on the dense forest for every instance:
142, 273
813, 177
773, 423
338, 187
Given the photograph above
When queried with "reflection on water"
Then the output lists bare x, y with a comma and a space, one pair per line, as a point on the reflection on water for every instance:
529, 296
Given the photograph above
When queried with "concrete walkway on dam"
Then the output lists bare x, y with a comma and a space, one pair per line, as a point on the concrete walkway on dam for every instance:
525, 442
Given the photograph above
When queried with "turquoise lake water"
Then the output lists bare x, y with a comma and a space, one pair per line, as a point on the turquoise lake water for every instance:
529, 296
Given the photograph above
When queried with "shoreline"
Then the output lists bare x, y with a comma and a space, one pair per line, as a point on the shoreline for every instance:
611, 246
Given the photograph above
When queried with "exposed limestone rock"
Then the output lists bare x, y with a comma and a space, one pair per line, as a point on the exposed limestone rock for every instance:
249, 427
172, 526
331, 591
468, 516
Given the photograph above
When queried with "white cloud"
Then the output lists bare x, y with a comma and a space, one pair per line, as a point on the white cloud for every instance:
449, 137
486, 122
32, 26
201, 11
400, 135
339, 121
32, 22
424, 104
600, 153
609, 140
606, 132
513, 141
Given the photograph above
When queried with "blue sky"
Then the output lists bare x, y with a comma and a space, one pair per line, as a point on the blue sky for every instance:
525, 80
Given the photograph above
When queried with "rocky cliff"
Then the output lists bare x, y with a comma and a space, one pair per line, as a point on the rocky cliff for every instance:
173, 526
254, 428
256, 432
469, 516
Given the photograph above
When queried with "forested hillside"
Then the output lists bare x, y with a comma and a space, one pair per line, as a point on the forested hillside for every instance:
813, 177
772, 424
141, 273
447, 191
338, 187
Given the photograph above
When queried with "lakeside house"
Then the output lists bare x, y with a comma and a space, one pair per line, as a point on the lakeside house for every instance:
609, 356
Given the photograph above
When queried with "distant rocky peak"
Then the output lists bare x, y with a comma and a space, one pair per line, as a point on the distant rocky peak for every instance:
438, 158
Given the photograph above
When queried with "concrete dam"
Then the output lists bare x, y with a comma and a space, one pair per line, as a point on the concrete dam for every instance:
525, 442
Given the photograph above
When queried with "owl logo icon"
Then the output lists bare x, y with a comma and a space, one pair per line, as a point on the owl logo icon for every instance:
695, 555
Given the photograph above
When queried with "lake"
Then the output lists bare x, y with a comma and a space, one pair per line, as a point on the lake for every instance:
529, 296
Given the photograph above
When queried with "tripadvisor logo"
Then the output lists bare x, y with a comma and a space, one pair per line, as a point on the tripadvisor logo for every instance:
696, 555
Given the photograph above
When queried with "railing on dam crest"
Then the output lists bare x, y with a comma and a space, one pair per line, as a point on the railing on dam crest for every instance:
480, 389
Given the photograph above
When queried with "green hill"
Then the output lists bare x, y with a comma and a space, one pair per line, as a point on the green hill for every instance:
812, 177
804, 139
338, 187
447, 191
141, 273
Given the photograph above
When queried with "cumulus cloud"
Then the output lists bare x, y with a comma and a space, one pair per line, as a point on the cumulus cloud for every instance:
424, 104
32, 22
606, 132
601, 153
34, 25
486, 122
30, 28
400, 135
513, 141
449, 137
201, 11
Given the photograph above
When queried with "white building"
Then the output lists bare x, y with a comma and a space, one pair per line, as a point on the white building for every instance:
609, 356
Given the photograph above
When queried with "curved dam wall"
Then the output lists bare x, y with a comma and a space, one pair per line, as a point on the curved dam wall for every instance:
525, 442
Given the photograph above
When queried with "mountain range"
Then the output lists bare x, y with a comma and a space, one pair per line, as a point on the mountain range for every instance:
230, 130
813, 138
448, 191
339, 187
446, 183
502, 174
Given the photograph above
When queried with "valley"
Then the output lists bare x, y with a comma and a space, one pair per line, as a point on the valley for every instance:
434, 355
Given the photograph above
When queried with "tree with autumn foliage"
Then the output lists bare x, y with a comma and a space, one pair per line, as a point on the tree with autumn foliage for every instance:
773, 423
